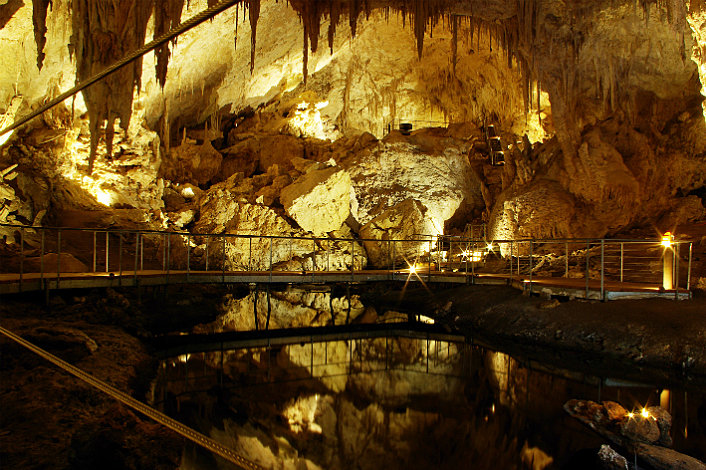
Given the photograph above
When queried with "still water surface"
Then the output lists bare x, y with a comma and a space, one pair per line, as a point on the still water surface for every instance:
400, 403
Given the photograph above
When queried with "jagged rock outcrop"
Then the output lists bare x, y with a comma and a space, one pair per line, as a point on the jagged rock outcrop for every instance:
319, 201
259, 232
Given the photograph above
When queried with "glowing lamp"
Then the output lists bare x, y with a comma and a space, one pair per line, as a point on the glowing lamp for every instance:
489, 246
645, 414
631, 415
667, 239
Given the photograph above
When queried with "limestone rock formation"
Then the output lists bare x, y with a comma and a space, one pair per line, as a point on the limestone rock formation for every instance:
430, 169
319, 201
191, 163
407, 221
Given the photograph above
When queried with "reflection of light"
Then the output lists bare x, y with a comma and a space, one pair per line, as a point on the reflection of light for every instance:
645, 413
321, 105
667, 239
489, 246
412, 268
631, 414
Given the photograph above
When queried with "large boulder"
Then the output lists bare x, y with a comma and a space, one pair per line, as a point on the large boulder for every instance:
432, 170
319, 200
407, 221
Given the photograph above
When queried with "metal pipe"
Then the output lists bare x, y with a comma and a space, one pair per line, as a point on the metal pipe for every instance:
622, 260
169, 250
206, 253
142, 253
566, 260
250, 253
223, 276
352, 258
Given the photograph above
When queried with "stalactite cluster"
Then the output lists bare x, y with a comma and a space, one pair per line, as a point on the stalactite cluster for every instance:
104, 31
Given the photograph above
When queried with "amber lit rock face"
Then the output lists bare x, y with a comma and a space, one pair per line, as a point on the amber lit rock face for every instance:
319, 200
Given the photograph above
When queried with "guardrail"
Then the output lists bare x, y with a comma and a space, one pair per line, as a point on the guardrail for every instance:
43, 251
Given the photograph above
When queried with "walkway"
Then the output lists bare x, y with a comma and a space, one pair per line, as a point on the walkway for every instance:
599, 269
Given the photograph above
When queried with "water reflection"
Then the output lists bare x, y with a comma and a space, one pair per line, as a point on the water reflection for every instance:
396, 403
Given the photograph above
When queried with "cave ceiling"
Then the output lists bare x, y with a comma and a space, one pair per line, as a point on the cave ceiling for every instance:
584, 54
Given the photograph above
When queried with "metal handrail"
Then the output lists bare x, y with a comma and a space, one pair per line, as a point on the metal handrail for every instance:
431, 249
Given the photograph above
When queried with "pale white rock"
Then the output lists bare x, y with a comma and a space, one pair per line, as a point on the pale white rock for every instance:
319, 201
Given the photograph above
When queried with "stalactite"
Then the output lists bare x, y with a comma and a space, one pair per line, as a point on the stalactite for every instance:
334, 14
305, 57
454, 42
167, 15
254, 15
39, 18
105, 31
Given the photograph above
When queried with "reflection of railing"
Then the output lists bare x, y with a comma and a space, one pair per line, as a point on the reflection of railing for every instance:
315, 360
128, 252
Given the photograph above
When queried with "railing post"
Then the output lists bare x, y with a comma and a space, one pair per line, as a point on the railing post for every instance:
394, 243
58, 258
94, 252
429, 274
622, 262
22, 255
588, 251
120, 258
107, 251
142, 253
188, 256
169, 251
250, 253
206, 253
328, 256
314, 258
603, 269
530, 265
137, 254
688, 272
512, 247
271, 242
566, 261
223, 276
41, 258
352, 258
676, 271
